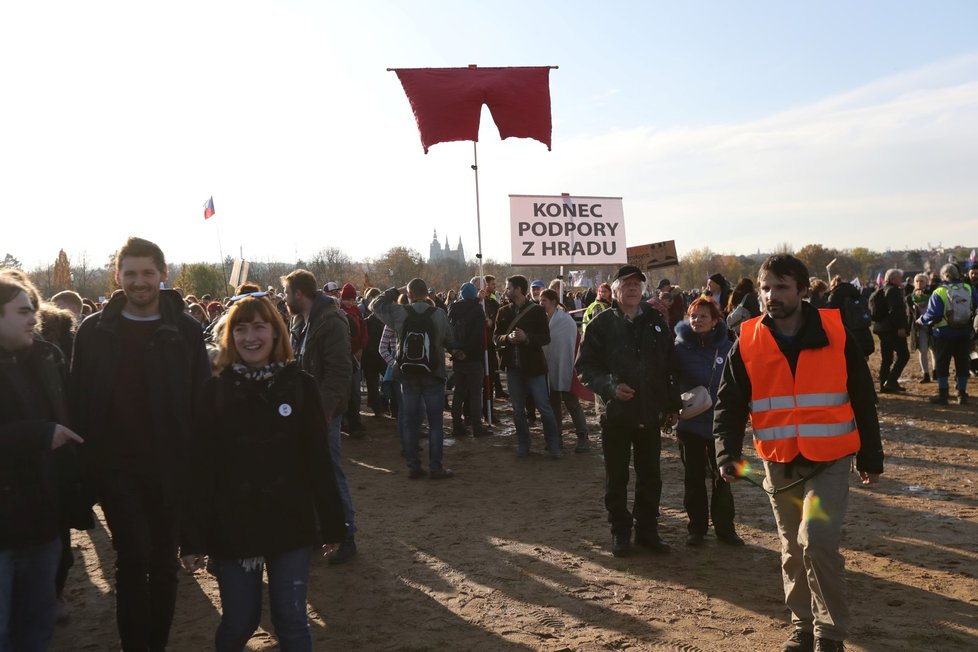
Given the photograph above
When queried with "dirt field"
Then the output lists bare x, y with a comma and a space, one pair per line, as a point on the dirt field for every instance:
513, 554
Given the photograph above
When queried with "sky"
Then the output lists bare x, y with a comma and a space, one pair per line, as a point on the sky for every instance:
734, 126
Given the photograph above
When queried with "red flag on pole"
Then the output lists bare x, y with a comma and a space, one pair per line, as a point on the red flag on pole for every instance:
208, 208
447, 102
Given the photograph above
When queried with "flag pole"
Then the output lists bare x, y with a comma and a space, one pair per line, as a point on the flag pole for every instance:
220, 250
482, 280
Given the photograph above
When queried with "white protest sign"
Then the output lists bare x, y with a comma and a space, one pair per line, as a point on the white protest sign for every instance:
567, 230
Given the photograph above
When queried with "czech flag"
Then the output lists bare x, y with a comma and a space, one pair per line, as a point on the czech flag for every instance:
209, 208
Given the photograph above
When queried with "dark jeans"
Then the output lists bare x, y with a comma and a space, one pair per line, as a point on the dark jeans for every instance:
699, 456
956, 348
468, 392
617, 443
890, 344
422, 392
27, 602
288, 583
144, 534
521, 386
574, 408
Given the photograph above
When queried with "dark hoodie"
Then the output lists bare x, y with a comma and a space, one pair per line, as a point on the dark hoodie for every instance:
322, 348
468, 322
845, 293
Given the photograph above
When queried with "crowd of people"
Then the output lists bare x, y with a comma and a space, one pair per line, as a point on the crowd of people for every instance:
209, 430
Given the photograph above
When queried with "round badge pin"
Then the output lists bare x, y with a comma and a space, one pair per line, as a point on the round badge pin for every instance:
658, 329
285, 409
719, 360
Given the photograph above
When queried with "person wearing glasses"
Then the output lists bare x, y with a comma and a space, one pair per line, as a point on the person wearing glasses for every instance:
265, 496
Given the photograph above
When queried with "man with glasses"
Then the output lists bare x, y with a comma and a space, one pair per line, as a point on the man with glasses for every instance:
628, 360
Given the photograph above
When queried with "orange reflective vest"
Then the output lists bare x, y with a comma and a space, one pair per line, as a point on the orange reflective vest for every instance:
808, 413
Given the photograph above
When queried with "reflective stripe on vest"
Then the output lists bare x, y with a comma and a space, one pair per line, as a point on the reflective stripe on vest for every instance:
806, 412
807, 430
804, 400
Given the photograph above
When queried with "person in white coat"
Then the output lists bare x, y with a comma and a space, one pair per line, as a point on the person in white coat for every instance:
560, 354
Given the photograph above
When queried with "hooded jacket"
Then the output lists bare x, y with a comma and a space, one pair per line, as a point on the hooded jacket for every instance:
176, 365
639, 353
837, 299
701, 364
468, 321
322, 348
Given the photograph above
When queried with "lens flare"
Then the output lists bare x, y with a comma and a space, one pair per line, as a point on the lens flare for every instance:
811, 509
742, 469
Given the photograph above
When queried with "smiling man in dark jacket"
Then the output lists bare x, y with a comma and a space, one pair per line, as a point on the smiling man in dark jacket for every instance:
627, 358
135, 373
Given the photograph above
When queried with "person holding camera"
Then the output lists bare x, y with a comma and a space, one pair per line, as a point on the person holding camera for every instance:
801, 378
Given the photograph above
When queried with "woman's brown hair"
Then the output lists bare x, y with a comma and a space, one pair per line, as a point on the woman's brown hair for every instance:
246, 310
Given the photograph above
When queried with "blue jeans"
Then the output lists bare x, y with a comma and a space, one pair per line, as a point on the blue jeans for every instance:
288, 583
430, 391
333, 428
27, 603
520, 386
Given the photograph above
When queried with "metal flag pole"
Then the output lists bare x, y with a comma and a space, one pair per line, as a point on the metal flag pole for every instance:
487, 382
220, 250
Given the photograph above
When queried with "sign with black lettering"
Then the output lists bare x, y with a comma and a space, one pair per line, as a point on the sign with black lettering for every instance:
657, 255
567, 230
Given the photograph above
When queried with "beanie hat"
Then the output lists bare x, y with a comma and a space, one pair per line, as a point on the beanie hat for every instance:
348, 292
468, 291
719, 280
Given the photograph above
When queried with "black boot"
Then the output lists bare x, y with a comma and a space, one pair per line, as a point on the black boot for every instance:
621, 543
926, 378
941, 398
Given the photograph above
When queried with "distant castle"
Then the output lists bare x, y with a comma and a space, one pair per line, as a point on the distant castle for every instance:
438, 254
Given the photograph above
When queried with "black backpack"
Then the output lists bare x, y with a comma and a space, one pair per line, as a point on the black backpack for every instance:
856, 314
416, 341
879, 310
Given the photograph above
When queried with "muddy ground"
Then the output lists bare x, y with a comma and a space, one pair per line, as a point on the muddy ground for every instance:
513, 554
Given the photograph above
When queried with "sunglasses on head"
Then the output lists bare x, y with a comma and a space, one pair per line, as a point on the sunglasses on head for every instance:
255, 295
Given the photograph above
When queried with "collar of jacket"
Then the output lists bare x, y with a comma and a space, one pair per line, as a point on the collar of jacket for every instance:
171, 307
644, 310
810, 336
689, 339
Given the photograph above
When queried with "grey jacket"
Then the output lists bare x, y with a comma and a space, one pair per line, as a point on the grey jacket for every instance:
323, 350
394, 315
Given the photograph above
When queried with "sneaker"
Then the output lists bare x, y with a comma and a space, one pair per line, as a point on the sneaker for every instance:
828, 645
417, 474
799, 641
891, 388
926, 378
962, 398
621, 544
441, 474
940, 399
522, 452
346, 552
652, 543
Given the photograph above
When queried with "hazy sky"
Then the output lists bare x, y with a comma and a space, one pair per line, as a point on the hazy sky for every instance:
733, 125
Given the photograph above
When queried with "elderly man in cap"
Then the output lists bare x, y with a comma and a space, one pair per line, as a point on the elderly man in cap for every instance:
536, 289
627, 358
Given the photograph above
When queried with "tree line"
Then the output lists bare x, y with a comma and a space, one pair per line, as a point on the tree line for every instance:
400, 264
